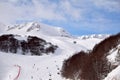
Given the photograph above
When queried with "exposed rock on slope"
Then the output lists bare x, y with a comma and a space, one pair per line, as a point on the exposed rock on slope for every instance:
33, 45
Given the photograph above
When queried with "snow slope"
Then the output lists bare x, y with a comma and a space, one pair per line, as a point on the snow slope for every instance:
46, 67
114, 74
40, 67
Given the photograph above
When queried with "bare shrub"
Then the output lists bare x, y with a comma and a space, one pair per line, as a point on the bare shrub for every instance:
73, 65
92, 65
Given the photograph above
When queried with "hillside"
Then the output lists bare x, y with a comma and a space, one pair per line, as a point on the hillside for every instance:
95, 64
22, 63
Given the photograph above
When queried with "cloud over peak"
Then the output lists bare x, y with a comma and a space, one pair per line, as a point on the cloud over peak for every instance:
79, 13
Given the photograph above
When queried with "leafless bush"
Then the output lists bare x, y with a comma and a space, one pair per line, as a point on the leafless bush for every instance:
92, 65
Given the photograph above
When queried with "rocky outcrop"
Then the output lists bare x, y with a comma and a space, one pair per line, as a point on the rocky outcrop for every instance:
8, 43
93, 65
33, 45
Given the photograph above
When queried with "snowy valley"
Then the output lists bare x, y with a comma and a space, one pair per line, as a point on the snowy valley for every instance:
39, 50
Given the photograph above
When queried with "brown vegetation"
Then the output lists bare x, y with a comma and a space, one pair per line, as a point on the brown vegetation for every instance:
92, 65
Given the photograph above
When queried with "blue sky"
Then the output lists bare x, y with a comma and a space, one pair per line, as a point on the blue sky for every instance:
79, 17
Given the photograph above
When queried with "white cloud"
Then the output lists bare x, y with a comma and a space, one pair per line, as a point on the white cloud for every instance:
12, 10
70, 10
62, 10
8, 12
110, 5
46, 10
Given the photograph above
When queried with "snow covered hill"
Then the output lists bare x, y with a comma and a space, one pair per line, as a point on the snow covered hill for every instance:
114, 58
35, 28
45, 67
95, 64
40, 67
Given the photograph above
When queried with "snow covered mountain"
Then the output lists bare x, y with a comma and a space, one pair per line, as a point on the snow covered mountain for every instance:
100, 36
46, 66
37, 29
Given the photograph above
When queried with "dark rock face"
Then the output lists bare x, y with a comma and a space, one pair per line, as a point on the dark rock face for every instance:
8, 43
38, 46
34, 45
93, 65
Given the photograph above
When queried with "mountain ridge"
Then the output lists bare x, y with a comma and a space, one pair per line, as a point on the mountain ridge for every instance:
31, 28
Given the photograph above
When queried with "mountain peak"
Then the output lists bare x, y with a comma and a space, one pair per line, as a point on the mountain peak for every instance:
99, 36
35, 28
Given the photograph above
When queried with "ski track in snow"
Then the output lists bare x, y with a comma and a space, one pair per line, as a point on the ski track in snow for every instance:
18, 74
